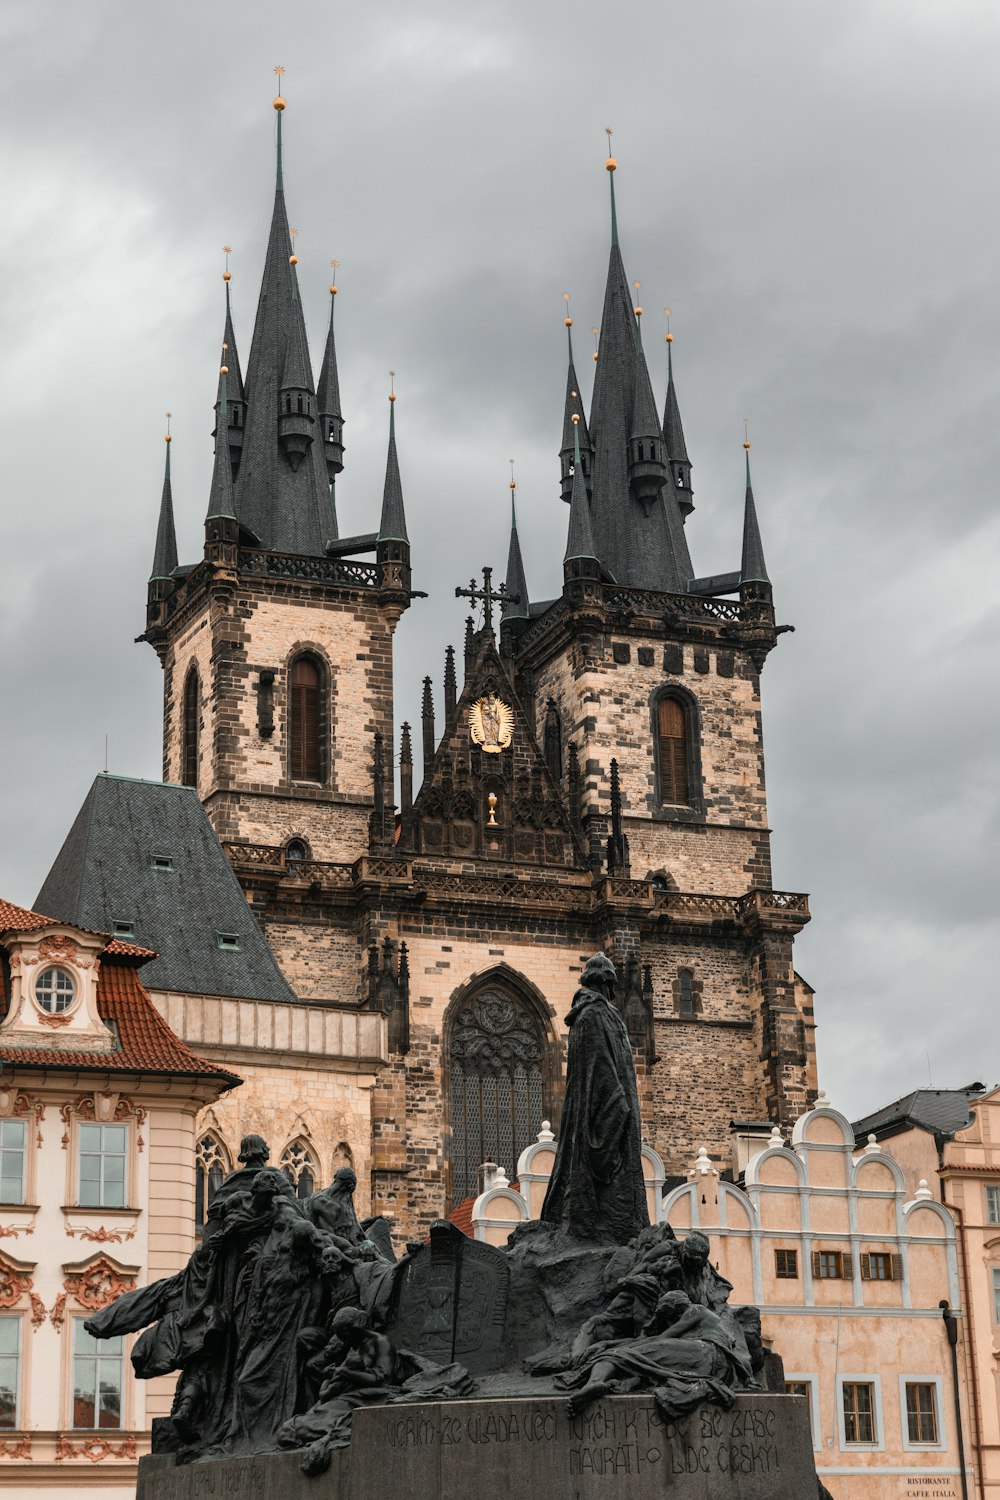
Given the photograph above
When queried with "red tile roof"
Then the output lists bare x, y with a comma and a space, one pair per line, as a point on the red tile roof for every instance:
146, 1042
20, 919
461, 1216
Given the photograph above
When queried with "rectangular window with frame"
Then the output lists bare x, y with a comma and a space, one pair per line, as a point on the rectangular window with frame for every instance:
10, 1372
992, 1204
97, 1379
786, 1266
859, 1411
996, 1295
921, 1412
831, 1265
880, 1265
102, 1155
13, 1160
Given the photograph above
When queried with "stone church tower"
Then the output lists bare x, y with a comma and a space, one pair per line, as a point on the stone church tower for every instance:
595, 781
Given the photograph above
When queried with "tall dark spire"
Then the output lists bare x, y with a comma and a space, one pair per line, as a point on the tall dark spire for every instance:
283, 492
221, 504
637, 525
165, 552
752, 566
328, 399
573, 407
392, 526
580, 541
515, 581
236, 413
673, 436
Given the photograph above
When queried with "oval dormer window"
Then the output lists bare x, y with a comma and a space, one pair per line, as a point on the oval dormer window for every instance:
55, 990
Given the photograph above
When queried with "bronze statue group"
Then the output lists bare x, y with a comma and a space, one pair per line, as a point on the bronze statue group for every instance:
276, 1325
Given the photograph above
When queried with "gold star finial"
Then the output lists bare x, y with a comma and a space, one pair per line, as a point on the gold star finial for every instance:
279, 102
637, 309
597, 334
746, 433
567, 320
610, 164
168, 438
333, 284
293, 259
668, 336
513, 481
392, 385
227, 251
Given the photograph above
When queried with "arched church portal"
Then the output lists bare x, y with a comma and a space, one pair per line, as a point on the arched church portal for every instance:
500, 1080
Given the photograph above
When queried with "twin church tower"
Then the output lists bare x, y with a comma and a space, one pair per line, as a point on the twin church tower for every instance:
591, 775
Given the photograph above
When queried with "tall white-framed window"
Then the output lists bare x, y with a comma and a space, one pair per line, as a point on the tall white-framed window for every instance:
806, 1386
13, 1160
97, 1379
102, 1162
10, 1372
859, 1412
921, 1408
995, 1276
992, 1203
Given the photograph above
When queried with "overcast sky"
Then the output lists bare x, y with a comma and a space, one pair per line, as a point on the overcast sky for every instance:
811, 187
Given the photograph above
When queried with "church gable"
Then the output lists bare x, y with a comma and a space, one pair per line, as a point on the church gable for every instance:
488, 794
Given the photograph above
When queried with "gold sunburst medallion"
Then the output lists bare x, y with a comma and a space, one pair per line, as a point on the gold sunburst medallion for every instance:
491, 723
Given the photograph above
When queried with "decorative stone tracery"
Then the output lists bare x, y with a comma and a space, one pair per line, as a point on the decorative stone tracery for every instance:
107, 1109
495, 1083
94, 1448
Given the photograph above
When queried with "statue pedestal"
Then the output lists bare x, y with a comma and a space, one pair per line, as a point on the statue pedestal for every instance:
513, 1448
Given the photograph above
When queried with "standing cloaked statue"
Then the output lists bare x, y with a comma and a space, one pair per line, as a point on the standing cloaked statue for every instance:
597, 1190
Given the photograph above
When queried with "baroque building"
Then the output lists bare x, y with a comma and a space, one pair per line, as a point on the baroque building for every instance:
593, 777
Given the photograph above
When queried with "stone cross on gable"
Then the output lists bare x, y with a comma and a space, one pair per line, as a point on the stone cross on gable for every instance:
488, 596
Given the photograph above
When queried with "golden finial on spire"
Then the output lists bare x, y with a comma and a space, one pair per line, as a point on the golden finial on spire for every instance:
637, 309
279, 103
597, 334
293, 259
575, 417
168, 438
392, 385
668, 336
567, 320
513, 481
227, 251
610, 164
333, 284
224, 368
746, 433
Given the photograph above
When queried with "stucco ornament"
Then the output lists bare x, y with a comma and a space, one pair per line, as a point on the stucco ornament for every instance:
491, 723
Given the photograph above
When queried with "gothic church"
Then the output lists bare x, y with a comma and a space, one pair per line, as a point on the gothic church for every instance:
592, 776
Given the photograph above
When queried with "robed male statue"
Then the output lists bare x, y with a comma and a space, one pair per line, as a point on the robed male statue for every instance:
597, 1191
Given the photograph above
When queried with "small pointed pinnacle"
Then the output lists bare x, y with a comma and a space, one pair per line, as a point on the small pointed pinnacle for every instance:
165, 552
220, 500
752, 567
580, 540
392, 526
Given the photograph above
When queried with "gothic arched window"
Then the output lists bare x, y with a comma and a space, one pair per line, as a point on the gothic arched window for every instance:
212, 1167
678, 757
189, 732
304, 703
299, 1165
496, 1084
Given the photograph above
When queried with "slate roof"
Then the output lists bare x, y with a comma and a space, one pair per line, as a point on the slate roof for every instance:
392, 526
20, 919
942, 1111
104, 872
